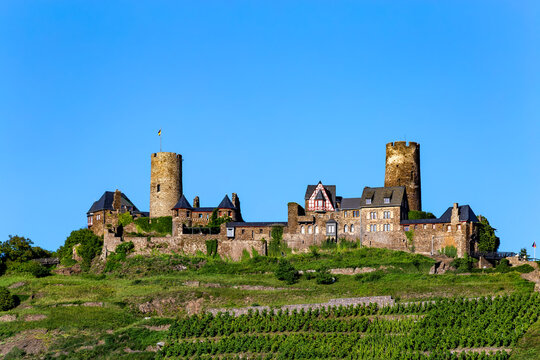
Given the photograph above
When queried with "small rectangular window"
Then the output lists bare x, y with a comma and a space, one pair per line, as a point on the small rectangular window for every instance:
387, 200
158, 187
368, 201
200, 216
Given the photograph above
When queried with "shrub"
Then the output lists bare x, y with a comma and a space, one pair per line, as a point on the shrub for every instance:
125, 219
463, 264
211, 247
160, 225
449, 251
7, 301
525, 268
30, 267
417, 215
90, 246
329, 244
286, 272
323, 277
368, 277
503, 266
39, 270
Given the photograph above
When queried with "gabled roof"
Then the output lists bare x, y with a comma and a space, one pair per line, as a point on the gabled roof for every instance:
330, 191
226, 203
105, 202
396, 194
183, 203
465, 214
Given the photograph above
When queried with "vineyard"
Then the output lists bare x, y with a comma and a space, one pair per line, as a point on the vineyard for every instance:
483, 328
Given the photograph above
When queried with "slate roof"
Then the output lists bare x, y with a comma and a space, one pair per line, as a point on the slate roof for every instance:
377, 195
350, 203
330, 191
226, 203
203, 209
105, 202
183, 203
465, 214
255, 223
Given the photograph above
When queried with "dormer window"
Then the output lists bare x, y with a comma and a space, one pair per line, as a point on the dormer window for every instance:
368, 201
387, 200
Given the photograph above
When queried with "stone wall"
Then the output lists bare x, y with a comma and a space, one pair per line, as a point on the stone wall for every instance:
165, 183
403, 169
186, 244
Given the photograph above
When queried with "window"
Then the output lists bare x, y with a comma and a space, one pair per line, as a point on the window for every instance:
229, 213
386, 227
406, 228
303, 229
345, 228
316, 229
425, 226
433, 226
188, 213
158, 187
310, 229
449, 228
368, 201
345, 213
386, 215
356, 213
260, 231
243, 231
373, 215
459, 227
200, 216
330, 229
90, 220
373, 227
320, 203
98, 217
352, 228
387, 200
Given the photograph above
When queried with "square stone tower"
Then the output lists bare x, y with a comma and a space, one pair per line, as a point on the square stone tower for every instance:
165, 183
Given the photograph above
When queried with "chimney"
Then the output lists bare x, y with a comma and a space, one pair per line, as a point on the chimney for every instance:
117, 200
196, 202
455, 214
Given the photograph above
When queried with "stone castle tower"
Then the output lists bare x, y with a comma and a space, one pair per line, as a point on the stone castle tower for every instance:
165, 183
403, 169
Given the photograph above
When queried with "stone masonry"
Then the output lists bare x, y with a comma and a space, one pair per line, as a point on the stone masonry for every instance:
403, 169
165, 182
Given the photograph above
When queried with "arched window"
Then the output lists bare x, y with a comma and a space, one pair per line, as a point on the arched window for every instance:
316, 229
310, 229
345, 228
352, 228
303, 229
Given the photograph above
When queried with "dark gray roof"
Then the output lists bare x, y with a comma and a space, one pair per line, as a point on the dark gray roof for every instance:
319, 195
183, 203
105, 202
203, 209
377, 196
350, 203
226, 203
330, 191
256, 224
465, 214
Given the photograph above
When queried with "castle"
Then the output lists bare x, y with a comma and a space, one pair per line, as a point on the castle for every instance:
377, 218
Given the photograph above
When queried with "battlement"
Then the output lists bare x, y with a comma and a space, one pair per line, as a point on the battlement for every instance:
403, 145
164, 154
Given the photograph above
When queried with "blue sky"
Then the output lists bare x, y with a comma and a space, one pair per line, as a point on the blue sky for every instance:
264, 97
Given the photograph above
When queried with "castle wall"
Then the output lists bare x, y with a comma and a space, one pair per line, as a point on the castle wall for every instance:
403, 169
165, 183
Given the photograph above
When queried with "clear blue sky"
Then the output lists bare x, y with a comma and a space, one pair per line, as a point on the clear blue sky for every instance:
264, 97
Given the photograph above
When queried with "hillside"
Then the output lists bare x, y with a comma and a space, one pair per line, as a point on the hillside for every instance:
123, 309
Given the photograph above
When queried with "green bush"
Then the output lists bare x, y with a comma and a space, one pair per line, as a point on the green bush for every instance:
115, 259
14, 354
90, 246
89, 250
7, 301
525, 268
30, 267
211, 247
503, 266
464, 264
323, 277
329, 244
368, 277
449, 251
419, 215
276, 246
125, 219
160, 225
286, 272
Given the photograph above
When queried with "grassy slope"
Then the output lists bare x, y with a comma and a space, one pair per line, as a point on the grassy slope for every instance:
120, 324
528, 347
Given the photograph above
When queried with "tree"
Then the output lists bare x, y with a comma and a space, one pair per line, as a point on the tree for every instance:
216, 221
523, 254
7, 301
487, 240
417, 215
90, 246
20, 249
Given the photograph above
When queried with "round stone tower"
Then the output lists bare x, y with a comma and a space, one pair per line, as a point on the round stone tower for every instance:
403, 169
165, 183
